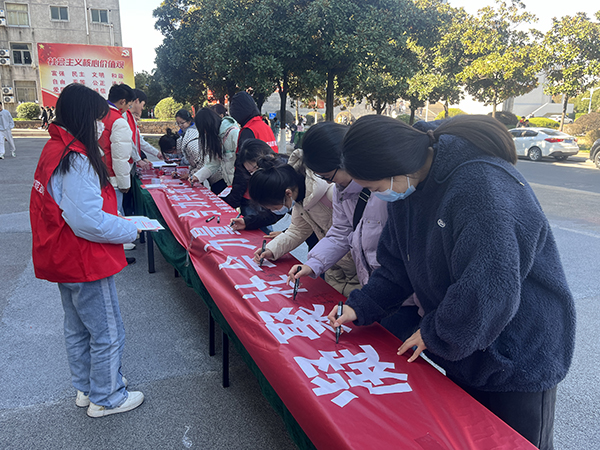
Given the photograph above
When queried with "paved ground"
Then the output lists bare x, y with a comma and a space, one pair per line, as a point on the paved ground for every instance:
166, 350
165, 356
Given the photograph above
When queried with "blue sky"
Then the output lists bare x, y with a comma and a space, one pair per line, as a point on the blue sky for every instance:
140, 35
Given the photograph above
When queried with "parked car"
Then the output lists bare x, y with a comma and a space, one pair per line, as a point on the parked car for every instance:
595, 153
558, 116
535, 143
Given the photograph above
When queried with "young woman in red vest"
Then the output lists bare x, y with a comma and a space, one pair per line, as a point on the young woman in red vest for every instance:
78, 243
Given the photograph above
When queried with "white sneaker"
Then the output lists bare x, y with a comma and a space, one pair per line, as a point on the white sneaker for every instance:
14, 155
83, 400
1, 156
129, 246
134, 399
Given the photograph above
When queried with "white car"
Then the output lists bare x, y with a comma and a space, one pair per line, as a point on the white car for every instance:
535, 143
557, 117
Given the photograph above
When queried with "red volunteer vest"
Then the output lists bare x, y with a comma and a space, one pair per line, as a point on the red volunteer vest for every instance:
135, 133
58, 255
262, 131
104, 140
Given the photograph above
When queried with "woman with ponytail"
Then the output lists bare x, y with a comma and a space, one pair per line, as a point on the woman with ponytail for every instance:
78, 243
294, 188
467, 235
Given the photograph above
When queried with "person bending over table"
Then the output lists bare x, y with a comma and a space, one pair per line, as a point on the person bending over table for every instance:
466, 234
293, 188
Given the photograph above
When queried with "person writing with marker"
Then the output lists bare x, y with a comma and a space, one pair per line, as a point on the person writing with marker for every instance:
466, 233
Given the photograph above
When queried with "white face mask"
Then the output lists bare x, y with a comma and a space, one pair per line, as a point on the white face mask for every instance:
99, 129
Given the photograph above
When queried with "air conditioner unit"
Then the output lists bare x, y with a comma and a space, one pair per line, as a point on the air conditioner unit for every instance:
7, 90
2, 14
4, 61
3, 22
9, 99
5, 52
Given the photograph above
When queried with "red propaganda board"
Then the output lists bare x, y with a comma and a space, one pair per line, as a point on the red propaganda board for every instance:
96, 66
357, 394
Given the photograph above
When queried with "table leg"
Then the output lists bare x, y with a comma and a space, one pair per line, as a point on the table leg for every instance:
225, 360
211, 335
142, 237
150, 246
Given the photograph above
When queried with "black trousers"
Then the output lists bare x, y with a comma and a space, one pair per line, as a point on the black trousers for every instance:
531, 414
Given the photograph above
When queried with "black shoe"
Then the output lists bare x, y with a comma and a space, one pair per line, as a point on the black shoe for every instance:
130, 260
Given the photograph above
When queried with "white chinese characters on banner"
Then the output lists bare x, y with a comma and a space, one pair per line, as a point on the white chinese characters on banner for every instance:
213, 231
264, 289
365, 370
233, 262
303, 323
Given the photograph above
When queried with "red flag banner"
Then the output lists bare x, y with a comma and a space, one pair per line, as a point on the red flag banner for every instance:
353, 395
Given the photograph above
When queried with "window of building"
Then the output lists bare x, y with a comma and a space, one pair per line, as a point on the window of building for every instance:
21, 54
59, 13
26, 91
17, 14
100, 15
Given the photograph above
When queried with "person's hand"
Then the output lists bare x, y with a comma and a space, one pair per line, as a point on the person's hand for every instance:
124, 191
160, 156
144, 164
267, 254
238, 224
294, 275
348, 315
272, 234
415, 339
183, 176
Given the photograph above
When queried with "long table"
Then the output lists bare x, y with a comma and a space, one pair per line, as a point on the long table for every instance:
355, 394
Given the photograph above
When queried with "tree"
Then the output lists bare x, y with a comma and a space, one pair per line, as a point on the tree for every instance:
152, 87
501, 59
571, 57
361, 47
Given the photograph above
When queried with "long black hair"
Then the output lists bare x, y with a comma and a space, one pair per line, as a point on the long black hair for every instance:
322, 146
269, 183
378, 147
208, 123
77, 109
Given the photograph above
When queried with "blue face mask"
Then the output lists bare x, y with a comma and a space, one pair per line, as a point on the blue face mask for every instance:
389, 195
284, 209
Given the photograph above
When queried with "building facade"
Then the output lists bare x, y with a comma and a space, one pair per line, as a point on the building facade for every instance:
25, 23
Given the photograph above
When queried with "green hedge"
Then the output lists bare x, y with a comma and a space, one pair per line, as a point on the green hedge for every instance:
543, 122
29, 111
451, 113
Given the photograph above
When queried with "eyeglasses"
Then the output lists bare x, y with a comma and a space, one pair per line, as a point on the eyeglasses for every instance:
180, 124
328, 179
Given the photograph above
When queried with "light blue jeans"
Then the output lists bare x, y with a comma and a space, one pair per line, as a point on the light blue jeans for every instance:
95, 337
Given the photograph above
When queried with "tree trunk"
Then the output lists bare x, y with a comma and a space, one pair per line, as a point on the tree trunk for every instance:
446, 109
260, 101
282, 113
564, 110
379, 107
412, 115
329, 96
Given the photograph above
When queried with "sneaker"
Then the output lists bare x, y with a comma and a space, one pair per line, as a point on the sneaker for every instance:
83, 400
134, 399
130, 246
14, 155
1, 156
130, 260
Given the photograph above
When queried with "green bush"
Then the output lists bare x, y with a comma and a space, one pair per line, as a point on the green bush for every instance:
404, 118
586, 142
584, 124
543, 122
310, 118
167, 108
451, 113
29, 111
507, 118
